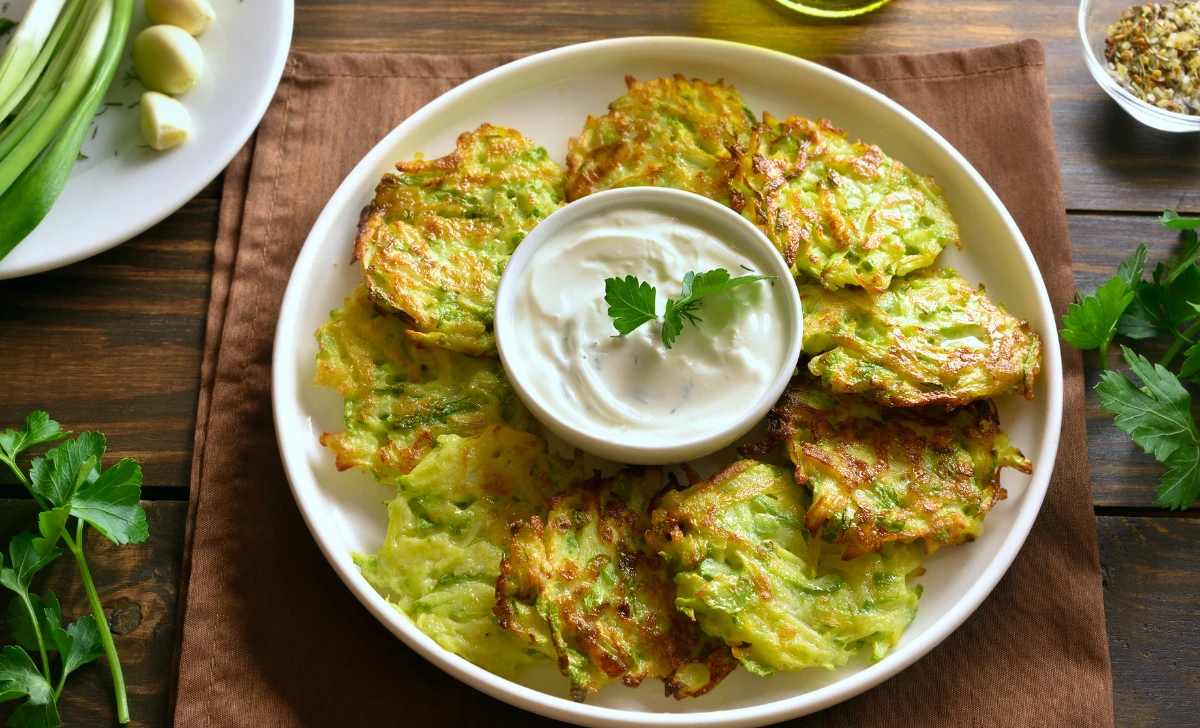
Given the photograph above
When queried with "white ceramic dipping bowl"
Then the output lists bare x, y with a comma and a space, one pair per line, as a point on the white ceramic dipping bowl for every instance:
728, 226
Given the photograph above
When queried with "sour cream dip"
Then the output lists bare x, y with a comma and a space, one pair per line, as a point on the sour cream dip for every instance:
630, 395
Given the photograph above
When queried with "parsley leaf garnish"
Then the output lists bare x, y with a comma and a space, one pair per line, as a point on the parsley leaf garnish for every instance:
1130, 270
1161, 306
19, 677
629, 304
37, 428
1092, 322
632, 303
1158, 417
73, 491
1157, 413
1191, 363
1171, 219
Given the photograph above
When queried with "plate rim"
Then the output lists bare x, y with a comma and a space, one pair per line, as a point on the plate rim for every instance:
293, 456
212, 169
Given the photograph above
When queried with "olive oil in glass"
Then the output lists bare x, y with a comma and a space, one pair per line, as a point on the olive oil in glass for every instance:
833, 8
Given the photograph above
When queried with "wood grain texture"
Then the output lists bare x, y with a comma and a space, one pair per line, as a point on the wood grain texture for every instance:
1109, 162
1151, 578
1151, 569
114, 343
137, 585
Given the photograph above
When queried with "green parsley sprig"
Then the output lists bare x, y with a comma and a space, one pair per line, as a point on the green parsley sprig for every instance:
1156, 415
632, 303
73, 492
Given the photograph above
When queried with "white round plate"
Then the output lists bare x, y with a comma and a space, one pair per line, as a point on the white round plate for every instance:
123, 187
548, 97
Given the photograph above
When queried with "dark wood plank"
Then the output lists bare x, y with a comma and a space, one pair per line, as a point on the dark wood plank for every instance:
1151, 578
1109, 162
138, 585
1151, 572
114, 343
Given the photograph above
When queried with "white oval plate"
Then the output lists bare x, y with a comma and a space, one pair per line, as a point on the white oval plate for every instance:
123, 187
548, 97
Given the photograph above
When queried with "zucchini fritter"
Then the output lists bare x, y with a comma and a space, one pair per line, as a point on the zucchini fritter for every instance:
844, 213
750, 572
607, 597
448, 529
399, 396
878, 474
667, 132
435, 239
929, 339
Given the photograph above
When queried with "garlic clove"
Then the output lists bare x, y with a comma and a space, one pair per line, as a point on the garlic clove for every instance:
167, 59
165, 122
194, 16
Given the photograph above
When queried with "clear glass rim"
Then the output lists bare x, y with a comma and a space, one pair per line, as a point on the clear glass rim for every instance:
1100, 72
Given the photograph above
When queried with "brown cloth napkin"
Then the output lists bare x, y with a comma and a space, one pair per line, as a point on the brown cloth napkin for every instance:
271, 637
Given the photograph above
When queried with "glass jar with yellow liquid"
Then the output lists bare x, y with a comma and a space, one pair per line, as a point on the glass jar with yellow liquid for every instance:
833, 8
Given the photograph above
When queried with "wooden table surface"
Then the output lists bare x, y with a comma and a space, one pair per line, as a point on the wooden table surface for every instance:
114, 343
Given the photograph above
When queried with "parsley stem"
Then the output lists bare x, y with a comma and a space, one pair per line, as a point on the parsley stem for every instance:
1181, 340
25, 482
1104, 355
62, 680
106, 639
37, 631
1183, 264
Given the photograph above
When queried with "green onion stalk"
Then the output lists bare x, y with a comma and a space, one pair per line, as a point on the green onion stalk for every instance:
53, 77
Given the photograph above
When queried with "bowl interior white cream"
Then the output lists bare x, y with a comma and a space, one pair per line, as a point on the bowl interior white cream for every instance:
633, 398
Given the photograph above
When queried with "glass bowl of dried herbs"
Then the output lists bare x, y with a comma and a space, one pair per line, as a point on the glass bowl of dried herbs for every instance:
1147, 58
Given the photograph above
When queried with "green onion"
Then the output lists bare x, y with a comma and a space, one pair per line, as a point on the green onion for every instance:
26, 44
67, 95
50, 88
65, 22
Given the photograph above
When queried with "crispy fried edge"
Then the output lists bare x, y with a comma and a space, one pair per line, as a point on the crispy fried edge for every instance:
781, 430
716, 657
575, 154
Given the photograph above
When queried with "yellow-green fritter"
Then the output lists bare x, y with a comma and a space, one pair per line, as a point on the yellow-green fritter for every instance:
667, 132
437, 236
398, 396
930, 338
882, 474
609, 601
752, 574
448, 529
842, 212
